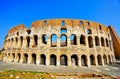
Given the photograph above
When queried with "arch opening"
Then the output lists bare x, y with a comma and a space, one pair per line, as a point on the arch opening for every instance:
82, 40
89, 31
19, 56
44, 39
53, 40
63, 60
73, 39
99, 60
74, 60
63, 23
28, 31
33, 59
28, 41
63, 40
52, 59
13, 57
105, 59
90, 42
92, 59
106, 42
16, 41
43, 59
102, 41
84, 60
25, 59
97, 41
35, 40
63, 30
110, 62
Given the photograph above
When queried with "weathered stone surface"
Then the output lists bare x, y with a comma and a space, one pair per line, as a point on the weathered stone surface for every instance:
87, 43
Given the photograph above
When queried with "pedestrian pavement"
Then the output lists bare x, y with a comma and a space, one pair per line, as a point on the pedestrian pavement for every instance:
112, 70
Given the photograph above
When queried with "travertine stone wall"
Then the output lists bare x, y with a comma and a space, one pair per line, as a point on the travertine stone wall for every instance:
60, 42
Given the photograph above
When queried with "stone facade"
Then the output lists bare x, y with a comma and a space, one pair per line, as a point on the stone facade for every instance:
60, 42
116, 42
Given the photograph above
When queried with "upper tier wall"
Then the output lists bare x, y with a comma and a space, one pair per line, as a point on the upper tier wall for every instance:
16, 28
58, 22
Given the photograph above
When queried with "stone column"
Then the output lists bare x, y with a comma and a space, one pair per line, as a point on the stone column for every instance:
108, 44
69, 62
49, 41
102, 60
68, 41
105, 42
58, 61
15, 59
108, 60
96, 60
31, 42
19, 43
111, 59
79, 62
21, 58
86, 40
78, 41
88, 60
39, 41
114, 60
9, 58
58, 41
8, 44
24, 43
38, 59
47, 61
94, 43
11, 44
100, 42
29, 59
14, 43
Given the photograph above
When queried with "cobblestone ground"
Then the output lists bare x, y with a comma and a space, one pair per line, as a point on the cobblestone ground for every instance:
113, 71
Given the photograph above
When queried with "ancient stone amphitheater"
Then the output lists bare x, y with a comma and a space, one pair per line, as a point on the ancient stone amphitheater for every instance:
60, 42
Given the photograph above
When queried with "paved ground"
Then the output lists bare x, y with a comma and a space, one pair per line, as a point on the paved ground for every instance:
114, 71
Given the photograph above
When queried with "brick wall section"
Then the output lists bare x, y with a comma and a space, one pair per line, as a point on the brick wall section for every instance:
116, 41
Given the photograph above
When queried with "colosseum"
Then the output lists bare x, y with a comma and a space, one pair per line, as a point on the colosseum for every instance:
60, 42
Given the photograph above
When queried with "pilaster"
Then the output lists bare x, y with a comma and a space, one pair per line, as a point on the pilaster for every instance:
31, 41
58, 61
58, 41
37, 59
88, 60
102, 61
24, 45
47, 61
69, 62
79, 62
21, 58
68, 41
29, 59
49, 41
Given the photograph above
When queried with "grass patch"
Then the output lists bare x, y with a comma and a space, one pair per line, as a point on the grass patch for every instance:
34, 72
12, 74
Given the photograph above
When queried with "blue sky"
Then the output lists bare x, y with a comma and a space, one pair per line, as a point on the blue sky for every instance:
15, 12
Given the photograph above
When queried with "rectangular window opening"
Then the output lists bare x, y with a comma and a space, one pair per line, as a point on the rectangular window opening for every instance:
63, 23
45, 23
88, 23
81, 22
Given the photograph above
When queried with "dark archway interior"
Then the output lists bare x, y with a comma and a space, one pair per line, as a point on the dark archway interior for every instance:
63, 60
43, 59
52, 60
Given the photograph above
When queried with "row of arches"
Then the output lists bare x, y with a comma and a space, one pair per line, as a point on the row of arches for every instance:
75, 60
83, 40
